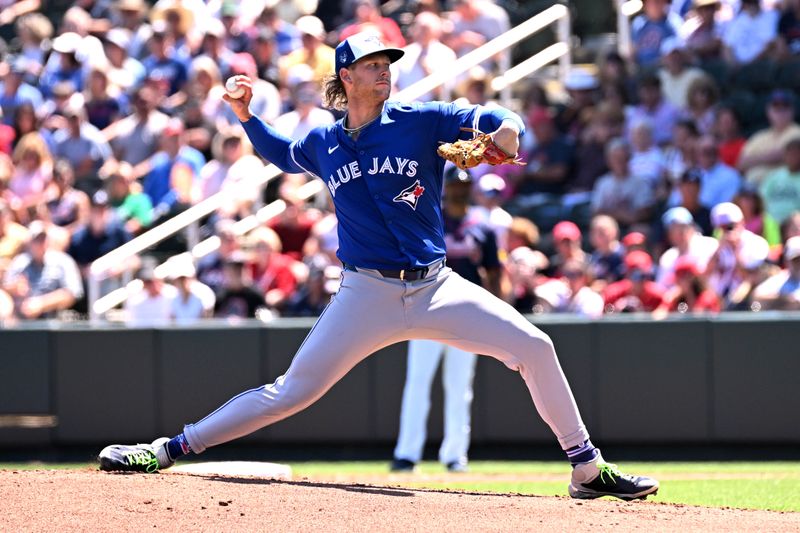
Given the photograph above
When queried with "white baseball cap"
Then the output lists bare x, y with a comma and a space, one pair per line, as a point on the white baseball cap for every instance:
360, 45
726, 213
791, 249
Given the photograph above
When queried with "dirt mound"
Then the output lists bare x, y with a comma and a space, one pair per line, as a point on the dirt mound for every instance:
87, 500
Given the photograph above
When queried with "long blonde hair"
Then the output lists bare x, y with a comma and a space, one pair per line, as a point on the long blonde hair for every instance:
333, 94
33, 142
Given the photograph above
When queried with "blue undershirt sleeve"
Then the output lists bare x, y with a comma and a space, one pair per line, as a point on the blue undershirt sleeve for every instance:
276, 148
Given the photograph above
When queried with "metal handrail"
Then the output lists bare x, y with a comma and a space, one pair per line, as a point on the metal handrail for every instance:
101, 268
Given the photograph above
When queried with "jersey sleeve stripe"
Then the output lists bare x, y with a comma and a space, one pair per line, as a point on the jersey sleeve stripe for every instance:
294, 159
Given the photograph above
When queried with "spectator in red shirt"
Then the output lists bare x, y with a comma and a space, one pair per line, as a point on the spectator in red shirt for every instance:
368, 16
731, 141
273, 272
690, 294
295, 224
637, 292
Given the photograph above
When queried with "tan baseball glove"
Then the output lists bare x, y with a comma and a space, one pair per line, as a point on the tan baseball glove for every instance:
472, 152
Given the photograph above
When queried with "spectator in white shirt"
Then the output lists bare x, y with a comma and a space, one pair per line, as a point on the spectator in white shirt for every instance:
676, 74
751, 34
686, 241
571, 293
194, 300
424, 55
782, 290
740, 252
150, 305
307, 113
647, 159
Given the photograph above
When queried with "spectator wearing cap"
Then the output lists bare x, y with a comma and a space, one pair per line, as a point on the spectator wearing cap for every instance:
66, 206
688, 191
213, 47
272, 272
193, 300
524, 267
627, 197
235, 38
702, 32
124, 71
368, 17
101, 234
781, 187
149, 304
606, 261
572, 292
489, 198
134, 139
68, 67
720, 183
676, 74
205, 89
307, 113
172, 171
423, 55
751, 35
237, 297
690, 293
651, 28
635, 240
740, 252
81, 143
179, 18
764, 151
654, 109
266, 102
582, 86
549, 161
132, 207
163, 63
314, 52
14, 90
567, 244
474, 23
685, 241
636, 292
782, 289
42, 281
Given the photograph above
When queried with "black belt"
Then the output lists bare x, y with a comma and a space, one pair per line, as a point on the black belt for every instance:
408, 274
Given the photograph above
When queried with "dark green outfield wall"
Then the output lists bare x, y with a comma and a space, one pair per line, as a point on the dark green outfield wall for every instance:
725, 380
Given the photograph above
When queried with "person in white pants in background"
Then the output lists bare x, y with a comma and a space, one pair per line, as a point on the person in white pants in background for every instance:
472, 252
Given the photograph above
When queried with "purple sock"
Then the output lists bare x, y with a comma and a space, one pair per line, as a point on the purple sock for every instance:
583, 453
178, 447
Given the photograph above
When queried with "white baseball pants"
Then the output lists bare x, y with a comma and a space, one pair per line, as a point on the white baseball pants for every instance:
370, 312
458, 371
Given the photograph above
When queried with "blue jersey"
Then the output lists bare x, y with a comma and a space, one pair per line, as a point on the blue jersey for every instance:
387, 184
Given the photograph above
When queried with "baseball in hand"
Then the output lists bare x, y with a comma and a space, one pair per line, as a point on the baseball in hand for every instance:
233, 90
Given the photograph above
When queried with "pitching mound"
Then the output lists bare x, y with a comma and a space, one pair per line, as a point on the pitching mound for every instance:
255, 469
96, 501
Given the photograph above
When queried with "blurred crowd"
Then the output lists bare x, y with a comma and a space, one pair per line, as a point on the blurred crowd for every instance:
664, 182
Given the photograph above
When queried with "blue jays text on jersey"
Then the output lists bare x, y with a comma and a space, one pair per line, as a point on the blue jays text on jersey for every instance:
387, 184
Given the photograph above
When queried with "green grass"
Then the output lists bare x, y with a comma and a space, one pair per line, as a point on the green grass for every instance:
752, 485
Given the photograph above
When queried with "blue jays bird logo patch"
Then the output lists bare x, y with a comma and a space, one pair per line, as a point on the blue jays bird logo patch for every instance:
410, 195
